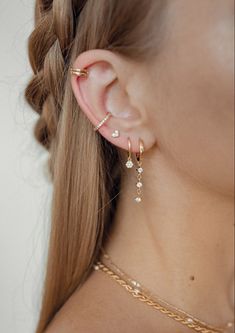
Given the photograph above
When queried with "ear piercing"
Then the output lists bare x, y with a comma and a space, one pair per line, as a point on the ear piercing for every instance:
102, 121
79, 72
139, 169
129, 163
84, 73
115, 134
139, 158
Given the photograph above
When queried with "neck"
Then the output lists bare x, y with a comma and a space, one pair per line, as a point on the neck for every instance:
180, 235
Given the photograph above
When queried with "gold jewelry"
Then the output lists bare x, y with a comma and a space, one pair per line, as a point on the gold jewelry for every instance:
115, 134
102, 121
139, 158
141, 293
129, 163
79, 72
84, 73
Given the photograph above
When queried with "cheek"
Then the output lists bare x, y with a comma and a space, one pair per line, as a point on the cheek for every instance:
194, 113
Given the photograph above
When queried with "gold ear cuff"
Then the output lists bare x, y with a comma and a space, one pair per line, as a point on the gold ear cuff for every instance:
79, 72
84, 73
102, 121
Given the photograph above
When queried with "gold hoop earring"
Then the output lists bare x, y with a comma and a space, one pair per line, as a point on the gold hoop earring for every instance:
139, 169
79, 72
129, 163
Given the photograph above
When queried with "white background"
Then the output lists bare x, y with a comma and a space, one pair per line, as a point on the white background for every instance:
24, 189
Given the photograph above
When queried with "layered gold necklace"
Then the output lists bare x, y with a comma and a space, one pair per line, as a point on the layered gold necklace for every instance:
144, 295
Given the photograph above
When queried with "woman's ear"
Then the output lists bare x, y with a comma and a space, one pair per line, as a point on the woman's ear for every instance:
105, 89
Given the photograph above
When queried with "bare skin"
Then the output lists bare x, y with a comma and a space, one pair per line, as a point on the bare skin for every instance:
179, 240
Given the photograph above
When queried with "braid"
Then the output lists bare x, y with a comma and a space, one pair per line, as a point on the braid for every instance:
50, 45
85, 168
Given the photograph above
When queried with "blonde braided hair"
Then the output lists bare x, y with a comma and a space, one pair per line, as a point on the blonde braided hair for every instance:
84, 198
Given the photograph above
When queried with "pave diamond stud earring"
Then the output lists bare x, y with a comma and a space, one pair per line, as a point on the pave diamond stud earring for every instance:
129, 163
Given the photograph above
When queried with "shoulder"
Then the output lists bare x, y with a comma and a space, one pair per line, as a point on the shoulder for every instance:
101, 305
91, 309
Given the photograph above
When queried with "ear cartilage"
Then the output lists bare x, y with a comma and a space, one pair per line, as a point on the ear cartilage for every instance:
102, 121
79, 72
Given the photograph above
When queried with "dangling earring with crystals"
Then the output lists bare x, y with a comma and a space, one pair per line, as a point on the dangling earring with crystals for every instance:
129, 163
139, 169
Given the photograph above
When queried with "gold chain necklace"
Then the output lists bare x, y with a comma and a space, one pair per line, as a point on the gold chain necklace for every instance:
141, 293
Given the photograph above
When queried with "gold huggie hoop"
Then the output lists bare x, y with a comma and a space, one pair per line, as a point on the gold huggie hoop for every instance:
129, 163
141, 145
79, 72
102, 121
139, 184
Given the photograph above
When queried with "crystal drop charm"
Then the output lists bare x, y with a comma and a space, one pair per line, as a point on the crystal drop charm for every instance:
138, 199
129, 164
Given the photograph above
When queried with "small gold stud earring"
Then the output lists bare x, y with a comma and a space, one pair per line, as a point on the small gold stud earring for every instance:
115, 134
129, 163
